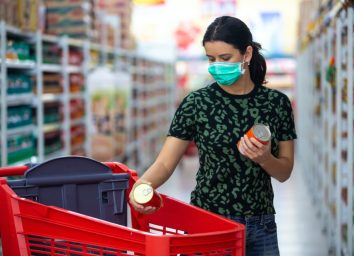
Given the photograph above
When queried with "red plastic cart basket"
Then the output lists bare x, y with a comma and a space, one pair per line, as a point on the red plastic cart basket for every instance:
31, 228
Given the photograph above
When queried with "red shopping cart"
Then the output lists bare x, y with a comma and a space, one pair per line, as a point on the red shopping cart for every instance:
31, 228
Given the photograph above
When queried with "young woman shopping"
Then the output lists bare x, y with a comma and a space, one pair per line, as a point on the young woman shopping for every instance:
234, 177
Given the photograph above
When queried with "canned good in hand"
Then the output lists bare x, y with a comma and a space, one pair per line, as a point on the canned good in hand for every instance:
145, 194
260, 132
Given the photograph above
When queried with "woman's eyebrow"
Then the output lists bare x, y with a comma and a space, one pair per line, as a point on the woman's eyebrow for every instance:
221, 55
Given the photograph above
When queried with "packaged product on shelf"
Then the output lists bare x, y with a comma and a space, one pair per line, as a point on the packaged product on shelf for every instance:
101, 87
76, 57
52, 54
52, 83
123, 9
18, 50
18, 83
77, 135
28, 11
20, 147
9, 12
52, 112
18, 116
77, 82
52, 142
64, 3
77, 108
72, 18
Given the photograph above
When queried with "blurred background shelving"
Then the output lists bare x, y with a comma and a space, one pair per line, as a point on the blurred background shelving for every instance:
50, 100
102, 78
325, 121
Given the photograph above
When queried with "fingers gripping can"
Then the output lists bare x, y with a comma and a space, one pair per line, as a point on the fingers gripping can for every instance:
145, 194
260, 132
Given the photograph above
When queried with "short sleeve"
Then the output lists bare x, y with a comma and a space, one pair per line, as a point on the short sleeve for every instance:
287, 124
183, 122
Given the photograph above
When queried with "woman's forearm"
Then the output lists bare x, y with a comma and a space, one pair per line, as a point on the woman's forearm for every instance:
279, 168
157, 174
171, 153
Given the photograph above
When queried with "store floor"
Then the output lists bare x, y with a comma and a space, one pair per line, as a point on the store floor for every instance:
299, 229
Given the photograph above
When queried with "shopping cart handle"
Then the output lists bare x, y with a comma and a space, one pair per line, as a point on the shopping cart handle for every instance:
15, 170
117, 167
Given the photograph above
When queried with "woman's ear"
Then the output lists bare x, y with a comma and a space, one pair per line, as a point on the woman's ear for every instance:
248, 54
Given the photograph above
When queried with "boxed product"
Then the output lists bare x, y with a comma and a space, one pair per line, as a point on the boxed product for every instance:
27, 14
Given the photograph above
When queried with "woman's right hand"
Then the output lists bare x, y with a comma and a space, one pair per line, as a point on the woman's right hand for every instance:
139, 207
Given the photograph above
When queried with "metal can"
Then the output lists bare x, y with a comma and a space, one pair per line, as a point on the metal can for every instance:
260, 132
145, 194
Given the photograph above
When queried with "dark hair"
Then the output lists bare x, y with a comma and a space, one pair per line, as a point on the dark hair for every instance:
235, 32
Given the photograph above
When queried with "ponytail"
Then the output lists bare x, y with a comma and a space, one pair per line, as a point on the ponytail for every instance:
258, 66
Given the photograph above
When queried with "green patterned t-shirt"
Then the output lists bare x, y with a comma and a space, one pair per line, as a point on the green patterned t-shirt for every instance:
229, 183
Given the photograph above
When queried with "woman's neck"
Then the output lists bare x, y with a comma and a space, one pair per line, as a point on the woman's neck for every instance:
243, 86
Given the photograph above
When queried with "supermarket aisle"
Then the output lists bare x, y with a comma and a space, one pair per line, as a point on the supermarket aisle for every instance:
299, 230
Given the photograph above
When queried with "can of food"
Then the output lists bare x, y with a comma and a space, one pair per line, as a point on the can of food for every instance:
145, 194
260, 132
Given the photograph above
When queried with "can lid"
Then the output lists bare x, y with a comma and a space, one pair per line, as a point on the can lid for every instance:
143, 193
261, 132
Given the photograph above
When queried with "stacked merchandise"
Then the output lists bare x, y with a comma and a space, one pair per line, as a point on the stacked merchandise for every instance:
77, 103
20, 145
326, 144
20, 13
68, 17
19, 63
51, 53
122, 8
53, 104
151, 108
18, 50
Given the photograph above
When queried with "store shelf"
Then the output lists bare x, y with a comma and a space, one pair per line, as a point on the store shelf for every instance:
15, 64
51, 68
75, 69
325, 85
53, 89
78, 121
52, 127
17, 99
24, 129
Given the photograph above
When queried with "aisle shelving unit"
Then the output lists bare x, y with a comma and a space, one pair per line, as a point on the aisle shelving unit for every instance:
151, 108
325, 122
57, 105
17, 67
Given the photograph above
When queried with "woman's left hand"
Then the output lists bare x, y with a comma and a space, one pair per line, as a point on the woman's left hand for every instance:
255, 150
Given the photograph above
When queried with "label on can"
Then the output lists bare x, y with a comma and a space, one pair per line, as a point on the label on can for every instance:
145, 194
260, 132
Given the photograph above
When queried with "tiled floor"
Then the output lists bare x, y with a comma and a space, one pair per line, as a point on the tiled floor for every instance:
299, 230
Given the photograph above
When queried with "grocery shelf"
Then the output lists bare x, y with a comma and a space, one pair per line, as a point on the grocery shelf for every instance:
325, 122
51, 68
49, 97
20, 64
21, 98
52, 127
78, 121
74, 69
23, 129
52, 85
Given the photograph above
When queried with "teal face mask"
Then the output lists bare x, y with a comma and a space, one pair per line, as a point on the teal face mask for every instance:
226, 73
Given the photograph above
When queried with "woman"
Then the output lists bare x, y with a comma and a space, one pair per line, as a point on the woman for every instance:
232, 181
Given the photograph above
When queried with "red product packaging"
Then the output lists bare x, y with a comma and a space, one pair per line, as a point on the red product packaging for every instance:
260, 132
